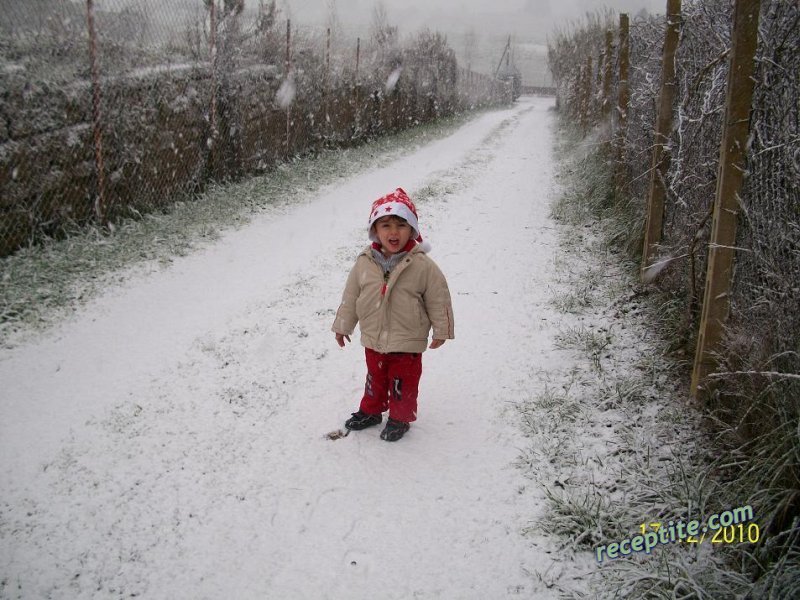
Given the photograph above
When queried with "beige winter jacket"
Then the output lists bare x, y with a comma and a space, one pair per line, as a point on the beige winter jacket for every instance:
416, 299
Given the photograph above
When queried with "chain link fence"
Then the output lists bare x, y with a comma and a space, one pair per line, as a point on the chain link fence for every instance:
754, 405
762, 333
766, 291
113, 108
765, 301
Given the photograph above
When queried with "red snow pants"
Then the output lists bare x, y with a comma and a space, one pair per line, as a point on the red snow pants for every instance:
392, 384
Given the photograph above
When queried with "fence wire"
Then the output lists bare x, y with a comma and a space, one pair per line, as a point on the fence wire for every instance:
765, 307
753, 410
765, 311
766, 292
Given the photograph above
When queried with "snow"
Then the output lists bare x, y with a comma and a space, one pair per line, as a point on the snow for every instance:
392, 79
160, 69
654, 270
286, 93
168, 441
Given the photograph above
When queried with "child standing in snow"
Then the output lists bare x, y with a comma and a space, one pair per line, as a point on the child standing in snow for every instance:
396, 294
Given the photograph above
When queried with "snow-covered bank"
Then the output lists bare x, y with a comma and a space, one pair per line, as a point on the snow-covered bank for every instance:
616, 443
169, 442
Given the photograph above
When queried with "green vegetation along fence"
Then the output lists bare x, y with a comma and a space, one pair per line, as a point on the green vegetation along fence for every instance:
697, 190
112, 108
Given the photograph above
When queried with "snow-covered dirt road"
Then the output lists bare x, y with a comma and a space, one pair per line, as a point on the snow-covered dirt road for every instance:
168, 441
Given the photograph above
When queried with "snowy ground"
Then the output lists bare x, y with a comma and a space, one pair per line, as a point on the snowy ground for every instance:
168, 441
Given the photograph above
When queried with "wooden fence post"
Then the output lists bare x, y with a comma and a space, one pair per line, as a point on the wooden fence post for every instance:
721, 252
623, 97
586, 95
607, 74
660, 164
100, 206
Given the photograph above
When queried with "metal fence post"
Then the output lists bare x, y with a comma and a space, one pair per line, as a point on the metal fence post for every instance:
288, 70
100, 206
213, 117
325, 89
356, 119
212, 48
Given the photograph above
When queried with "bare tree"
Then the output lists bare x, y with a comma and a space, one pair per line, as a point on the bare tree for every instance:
384, 36
332, 20
229, 7
267, 16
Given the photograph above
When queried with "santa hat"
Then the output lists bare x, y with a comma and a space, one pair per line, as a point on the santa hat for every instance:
398, 204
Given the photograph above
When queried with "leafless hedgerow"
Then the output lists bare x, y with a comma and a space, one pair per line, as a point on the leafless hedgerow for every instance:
145, 103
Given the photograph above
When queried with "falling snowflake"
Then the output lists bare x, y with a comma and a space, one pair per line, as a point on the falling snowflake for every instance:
286, 93
391, 81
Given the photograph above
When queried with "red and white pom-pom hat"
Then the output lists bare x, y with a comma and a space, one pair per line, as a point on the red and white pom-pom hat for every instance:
396, 203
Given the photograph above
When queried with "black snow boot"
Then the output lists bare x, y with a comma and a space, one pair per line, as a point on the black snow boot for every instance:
394, 430
361, 420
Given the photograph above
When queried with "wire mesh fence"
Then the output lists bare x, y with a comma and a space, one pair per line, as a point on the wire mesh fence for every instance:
112, 108
766, 292
765, 298
755, 388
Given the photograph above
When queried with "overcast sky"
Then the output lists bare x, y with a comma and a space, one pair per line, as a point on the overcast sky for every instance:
523, 18
528, 22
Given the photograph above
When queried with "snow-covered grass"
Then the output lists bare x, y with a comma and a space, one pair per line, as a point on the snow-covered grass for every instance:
626, 445
41, 284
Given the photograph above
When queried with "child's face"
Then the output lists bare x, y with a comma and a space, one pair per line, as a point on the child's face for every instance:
393, 233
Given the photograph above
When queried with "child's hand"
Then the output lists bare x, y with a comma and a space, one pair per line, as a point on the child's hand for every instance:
341, 338
436, 343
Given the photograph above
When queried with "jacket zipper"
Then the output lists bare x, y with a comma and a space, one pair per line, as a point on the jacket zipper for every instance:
385, 283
